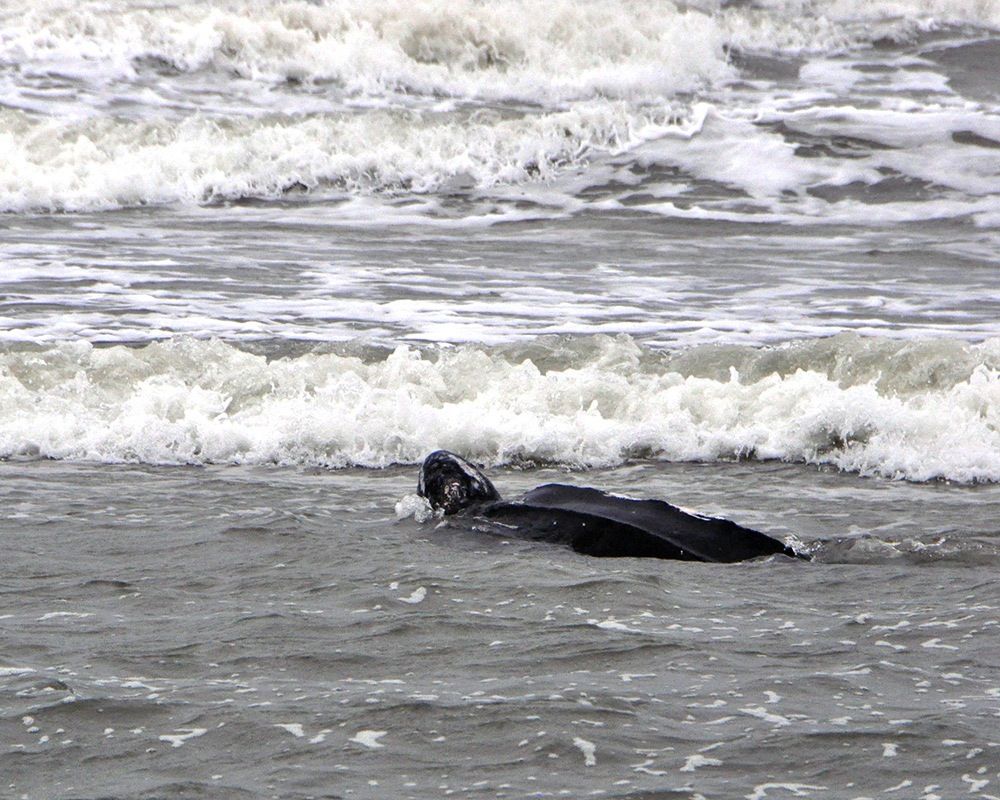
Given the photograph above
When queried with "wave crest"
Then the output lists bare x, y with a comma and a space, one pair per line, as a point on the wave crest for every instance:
200, 402
525, 50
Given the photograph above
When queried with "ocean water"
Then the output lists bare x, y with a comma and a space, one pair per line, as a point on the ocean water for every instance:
258, 258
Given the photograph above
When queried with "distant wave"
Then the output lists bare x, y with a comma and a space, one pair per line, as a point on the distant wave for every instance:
641, 159
525, 50
610, 104
94, 164
916, 410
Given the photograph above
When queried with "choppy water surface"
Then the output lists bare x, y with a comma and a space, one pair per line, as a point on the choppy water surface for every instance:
278, 633
258, 258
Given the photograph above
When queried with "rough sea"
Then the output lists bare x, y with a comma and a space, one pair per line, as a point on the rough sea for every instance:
257, 259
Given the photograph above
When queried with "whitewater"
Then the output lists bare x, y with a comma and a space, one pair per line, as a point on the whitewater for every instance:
919, 410
258, 258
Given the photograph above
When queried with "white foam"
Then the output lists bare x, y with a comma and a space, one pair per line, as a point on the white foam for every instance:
93, 164
368, 738
918, 139
417, 596
401, 97
179, 739
613, 625
84, 164
829, 26
507, 50
697, 761
8, 671
415, 506
762, 790
742, 151
740, 154
929, 13
388, 96
896, 409
762, 713
936, 644
589, 750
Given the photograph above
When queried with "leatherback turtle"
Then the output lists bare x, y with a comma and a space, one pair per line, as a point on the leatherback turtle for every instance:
590, 521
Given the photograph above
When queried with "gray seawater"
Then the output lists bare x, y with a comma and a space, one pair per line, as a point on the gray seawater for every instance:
292, 272
257, 259
261, 632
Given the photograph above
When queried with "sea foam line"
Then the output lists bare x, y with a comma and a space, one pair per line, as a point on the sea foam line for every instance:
199, 402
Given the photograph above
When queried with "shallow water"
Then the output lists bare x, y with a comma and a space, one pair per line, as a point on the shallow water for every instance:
258, 259
266, 632
295, 273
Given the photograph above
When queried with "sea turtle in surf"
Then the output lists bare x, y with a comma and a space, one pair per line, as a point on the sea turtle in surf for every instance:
590, 521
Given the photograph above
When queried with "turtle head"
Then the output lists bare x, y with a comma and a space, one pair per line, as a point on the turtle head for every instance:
451, 483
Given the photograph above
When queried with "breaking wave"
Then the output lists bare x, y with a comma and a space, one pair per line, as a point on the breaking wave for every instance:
118, 104
916, 410
513, 50
94, 164
523, 50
